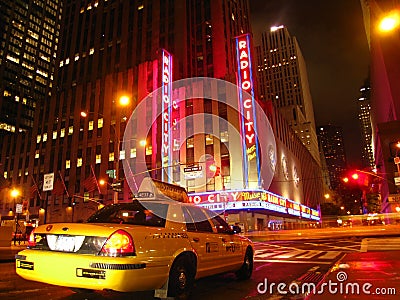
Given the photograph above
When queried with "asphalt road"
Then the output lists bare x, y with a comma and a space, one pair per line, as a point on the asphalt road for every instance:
276, 262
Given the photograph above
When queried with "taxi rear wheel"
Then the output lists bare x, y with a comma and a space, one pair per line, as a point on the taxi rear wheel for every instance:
247, 268
181, 278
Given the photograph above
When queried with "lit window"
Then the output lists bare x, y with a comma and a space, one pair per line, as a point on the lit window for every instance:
149, 150
67, 61
100, 123
233, 17
209, 139
98, 158
91, 51
140, 7
133, 153
70, 130
16, 98
54, 135
68, 164
79, 162
37, 155
90, 125
111, 156
44, 137
224, 136
122, 154
38, 139
62, 132
190, 142
5, 174
76, 56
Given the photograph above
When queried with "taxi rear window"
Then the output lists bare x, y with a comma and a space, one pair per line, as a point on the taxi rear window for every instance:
152, 214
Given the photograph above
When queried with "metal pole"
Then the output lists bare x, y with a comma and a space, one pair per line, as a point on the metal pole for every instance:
45, 208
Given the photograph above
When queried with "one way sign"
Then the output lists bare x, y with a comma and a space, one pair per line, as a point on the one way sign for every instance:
48, 182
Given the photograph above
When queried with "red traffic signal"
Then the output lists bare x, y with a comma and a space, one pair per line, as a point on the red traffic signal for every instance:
216, 170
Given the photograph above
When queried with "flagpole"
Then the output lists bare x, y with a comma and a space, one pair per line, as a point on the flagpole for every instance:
37, 188
62, 180
97, 184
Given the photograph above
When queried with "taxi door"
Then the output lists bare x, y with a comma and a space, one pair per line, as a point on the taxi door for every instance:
203, 240
231, 247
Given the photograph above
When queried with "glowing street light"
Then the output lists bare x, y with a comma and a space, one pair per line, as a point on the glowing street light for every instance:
389, 22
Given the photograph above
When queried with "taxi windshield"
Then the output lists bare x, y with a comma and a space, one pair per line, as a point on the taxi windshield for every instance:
152, 214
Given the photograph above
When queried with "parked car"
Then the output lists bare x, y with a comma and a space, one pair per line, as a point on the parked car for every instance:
158, 244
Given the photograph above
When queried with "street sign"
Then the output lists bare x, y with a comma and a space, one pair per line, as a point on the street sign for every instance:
193, 175
192, 169
18, 208
48, 182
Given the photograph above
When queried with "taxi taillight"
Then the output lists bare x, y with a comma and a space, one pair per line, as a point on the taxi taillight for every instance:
31, 239
120, 243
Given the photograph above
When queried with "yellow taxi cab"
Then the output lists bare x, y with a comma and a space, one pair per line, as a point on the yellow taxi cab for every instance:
154, 243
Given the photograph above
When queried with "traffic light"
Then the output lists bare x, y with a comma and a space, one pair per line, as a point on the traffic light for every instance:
215, 171
71, 202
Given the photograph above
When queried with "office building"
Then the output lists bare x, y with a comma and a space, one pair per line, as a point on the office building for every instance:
283, 79
330, 138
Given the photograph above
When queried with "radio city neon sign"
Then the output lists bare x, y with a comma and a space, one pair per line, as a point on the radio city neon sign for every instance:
246, 84
250, 198
166, 93
247, 117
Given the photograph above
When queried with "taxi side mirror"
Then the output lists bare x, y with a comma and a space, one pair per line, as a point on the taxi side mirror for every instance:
236, 229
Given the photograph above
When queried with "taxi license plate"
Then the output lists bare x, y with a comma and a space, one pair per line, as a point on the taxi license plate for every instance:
65, 243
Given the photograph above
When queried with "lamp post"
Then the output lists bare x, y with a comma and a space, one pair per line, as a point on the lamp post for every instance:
15, 193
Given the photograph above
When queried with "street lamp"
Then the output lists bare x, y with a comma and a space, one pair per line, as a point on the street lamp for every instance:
389, 22
15, 193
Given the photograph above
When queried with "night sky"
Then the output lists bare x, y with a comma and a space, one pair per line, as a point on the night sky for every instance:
333, 42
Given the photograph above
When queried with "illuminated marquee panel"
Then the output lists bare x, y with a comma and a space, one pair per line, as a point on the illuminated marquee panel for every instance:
248, 126
252, 199
166, 109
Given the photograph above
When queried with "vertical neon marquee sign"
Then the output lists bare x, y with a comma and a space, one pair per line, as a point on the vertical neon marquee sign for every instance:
247, 117
166, 108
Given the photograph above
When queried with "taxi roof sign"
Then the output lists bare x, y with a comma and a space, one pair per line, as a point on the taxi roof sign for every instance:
153, 189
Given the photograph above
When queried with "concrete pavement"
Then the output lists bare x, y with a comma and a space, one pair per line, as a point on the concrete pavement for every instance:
7, 254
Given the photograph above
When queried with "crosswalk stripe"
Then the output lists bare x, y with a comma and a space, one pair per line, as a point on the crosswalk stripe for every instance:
290, 254
330, 255
310, 254
264, 255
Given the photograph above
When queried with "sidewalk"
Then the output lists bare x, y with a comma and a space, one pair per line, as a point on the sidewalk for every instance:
362, 275
7, 254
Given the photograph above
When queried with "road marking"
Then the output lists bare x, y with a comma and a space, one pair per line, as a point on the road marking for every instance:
268, 254
376, 244
330, 255
290, 254
310, 254
294, 261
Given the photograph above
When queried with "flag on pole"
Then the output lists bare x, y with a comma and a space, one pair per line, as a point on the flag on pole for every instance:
34, 190
63, 183
90, 183
58, 189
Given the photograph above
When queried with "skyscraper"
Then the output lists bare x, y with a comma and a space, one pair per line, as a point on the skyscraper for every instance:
330, 138
28, 44
364, 117
283, 79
